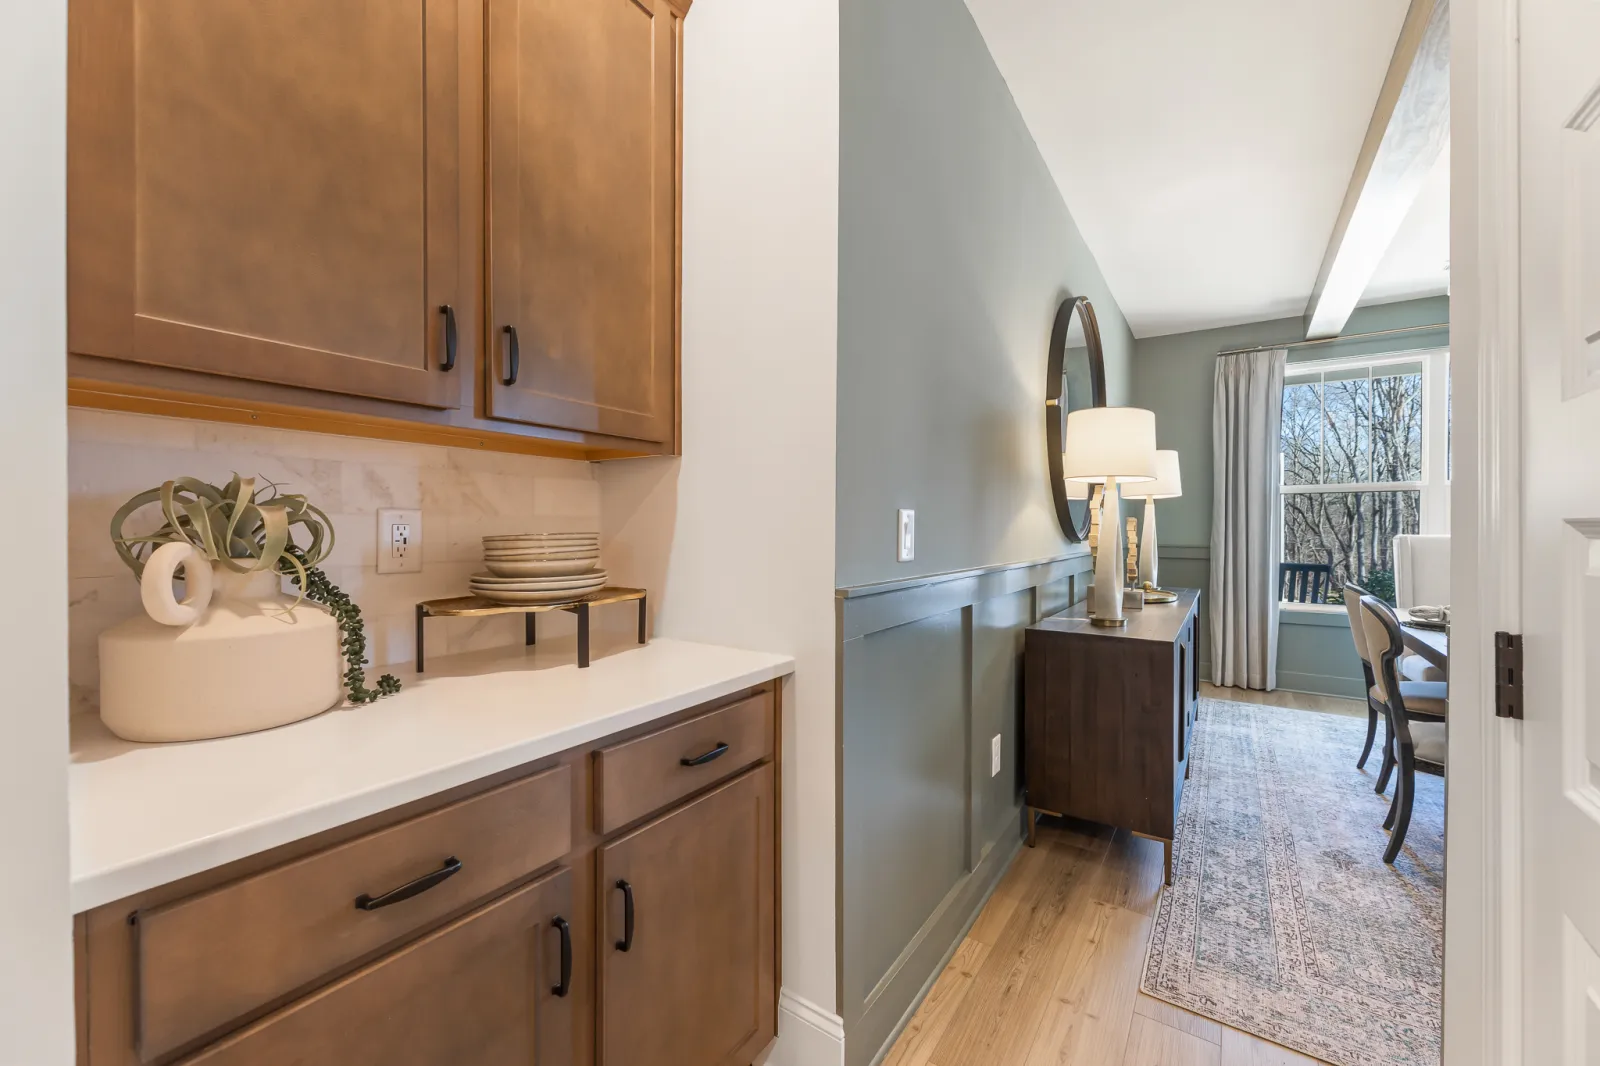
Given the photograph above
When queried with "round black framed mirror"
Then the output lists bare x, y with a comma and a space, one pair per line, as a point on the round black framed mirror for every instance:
1075, 378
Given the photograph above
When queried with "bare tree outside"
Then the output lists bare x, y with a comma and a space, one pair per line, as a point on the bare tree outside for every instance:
1344, 430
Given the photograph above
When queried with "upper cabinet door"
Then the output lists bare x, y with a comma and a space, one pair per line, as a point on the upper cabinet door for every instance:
583, 152
268, 190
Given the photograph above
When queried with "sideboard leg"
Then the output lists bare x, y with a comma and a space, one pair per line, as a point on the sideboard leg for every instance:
1166, 855
1032, 817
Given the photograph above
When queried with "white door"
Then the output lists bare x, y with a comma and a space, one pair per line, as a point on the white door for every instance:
1560, 194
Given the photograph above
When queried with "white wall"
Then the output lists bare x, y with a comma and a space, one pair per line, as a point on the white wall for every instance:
736, 540
35, 925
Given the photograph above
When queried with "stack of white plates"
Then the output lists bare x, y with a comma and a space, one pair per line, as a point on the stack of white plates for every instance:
539, 567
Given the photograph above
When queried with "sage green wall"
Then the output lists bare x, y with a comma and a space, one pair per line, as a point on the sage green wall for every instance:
954, 249
1173, 377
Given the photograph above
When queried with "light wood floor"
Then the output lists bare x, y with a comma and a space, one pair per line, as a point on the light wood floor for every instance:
1300, 701
1049, 973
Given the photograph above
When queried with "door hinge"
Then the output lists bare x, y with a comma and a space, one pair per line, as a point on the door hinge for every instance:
1508, 675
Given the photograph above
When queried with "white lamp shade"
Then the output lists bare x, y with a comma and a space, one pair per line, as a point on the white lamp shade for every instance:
1078, 490
1104, 442
1167, 484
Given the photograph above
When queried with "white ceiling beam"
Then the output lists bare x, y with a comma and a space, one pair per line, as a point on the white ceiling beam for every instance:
1410, 127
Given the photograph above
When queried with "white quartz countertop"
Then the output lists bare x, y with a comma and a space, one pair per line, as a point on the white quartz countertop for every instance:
146, 814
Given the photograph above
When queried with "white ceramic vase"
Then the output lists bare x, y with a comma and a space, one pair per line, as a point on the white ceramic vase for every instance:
229, 658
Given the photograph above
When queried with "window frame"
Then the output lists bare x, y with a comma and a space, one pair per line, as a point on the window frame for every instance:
1434, 486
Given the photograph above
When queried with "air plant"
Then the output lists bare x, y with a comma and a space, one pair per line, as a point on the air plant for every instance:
248, 530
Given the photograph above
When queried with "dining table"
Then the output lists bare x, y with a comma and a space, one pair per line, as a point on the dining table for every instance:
1432, 643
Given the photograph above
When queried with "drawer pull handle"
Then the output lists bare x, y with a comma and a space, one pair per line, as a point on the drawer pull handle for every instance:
449, 314
451, 867
626, 943
700, 760
513, 357
566, 955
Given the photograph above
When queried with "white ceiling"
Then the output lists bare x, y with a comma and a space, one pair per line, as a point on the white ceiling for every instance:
1203, 149
1417, 262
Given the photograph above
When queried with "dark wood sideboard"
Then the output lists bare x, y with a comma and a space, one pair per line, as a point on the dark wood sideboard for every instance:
1108, 716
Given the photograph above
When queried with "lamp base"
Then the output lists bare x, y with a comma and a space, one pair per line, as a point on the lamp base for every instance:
1108, 623
1155, 595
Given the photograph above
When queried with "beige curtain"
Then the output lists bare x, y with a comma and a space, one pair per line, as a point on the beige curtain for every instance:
1246, 519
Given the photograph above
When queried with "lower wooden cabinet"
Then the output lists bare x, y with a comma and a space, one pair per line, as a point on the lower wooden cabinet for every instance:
687, 946
486, 926
487, 989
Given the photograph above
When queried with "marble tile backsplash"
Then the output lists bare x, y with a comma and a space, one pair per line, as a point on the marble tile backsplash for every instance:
463, 495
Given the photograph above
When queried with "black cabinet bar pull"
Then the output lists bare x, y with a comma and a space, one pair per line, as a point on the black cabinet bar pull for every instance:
565, 986
451, 867
626, 943
449, 314
513, 357
700, 760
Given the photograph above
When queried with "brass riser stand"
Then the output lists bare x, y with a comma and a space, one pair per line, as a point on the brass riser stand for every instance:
474, 607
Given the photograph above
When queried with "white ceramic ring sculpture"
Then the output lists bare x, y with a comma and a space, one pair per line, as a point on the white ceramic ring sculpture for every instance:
155, 586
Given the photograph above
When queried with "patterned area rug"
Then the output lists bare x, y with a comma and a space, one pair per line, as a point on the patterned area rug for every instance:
1282, 919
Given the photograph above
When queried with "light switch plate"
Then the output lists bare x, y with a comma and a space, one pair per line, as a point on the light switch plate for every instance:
399, 541
906, 541
994, 756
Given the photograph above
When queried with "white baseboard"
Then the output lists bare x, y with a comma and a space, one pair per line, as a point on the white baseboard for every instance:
808, 1035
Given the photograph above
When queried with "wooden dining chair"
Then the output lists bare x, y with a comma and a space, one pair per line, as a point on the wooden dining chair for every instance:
1375, 708
1404, 702
1375, 705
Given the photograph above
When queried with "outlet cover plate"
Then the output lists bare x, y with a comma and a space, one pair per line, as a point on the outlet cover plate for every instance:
994, 756
399, 541
906, 536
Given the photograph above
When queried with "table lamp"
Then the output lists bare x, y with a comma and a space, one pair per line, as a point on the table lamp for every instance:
1167, 485
1107, 446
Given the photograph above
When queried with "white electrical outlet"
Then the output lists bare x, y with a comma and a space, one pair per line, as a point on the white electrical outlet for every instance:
399, 541
906, 542
994, 756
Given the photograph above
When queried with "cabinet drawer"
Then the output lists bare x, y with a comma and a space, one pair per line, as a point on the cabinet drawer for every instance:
208, 959
645, 774
486, 990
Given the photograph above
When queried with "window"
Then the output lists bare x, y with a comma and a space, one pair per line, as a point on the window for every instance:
1364, 458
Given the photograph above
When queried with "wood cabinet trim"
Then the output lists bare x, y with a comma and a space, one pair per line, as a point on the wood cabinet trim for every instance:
135, 399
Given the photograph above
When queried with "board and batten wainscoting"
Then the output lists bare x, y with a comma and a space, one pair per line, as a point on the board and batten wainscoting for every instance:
1315, 653
930, 670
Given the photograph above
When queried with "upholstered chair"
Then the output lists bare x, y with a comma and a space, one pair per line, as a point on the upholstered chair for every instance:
1418, 702
1375, 709
1421, 577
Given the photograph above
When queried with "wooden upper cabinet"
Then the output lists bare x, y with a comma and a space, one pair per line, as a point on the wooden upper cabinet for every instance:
268, 190
697, 983
583, 149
